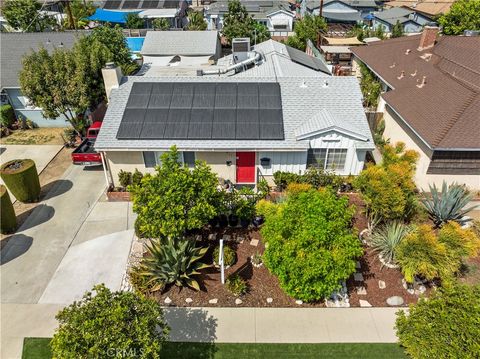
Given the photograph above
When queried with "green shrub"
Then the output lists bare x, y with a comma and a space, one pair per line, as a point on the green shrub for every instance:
311, 245
172, 261
21, 178
296, 188
461, 242
245, 200
265, 208
125, 178
8, 220
137, 177
236, 285
138, 281
386, 239
317, 178
388, 189
447, 325
263, 188
7, 115
110, 324
283, 179
449, 205
229, 256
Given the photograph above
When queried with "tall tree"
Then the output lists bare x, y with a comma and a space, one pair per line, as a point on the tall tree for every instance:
161, 24
25, 15
134, 21
237, 22
463, 15
196, 21
397, 30
80, 10
305, 29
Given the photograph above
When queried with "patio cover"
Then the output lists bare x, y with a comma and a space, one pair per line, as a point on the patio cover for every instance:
115, 17
342, 41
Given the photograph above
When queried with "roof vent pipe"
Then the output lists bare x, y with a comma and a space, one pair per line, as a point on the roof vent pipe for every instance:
407, 52
402, 75
413, 74
424, 81
325, 84
393, 65
303, 84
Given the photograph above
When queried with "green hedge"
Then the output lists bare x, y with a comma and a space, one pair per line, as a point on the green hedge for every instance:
8, 220
23, 182
7, 115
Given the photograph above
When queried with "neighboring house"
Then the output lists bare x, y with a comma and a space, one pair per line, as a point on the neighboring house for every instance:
342, 11
275, 15
427, 8
188, 50
13, 47
412, 22
280, 114
431, 101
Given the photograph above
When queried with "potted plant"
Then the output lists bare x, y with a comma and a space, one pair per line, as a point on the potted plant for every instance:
245, 211
213, 222
257, 260
223, 220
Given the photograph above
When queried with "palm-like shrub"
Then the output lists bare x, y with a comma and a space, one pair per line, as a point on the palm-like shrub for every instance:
172, 261
447, 205
386, 239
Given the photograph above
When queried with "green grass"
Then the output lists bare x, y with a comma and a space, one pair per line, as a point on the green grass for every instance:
37, 348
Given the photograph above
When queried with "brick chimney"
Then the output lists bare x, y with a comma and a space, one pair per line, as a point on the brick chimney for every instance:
428, 38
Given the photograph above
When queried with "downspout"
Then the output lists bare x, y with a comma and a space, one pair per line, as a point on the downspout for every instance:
108, 180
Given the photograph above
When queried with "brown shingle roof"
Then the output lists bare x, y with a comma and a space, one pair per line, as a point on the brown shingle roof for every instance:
431, 7
445, 111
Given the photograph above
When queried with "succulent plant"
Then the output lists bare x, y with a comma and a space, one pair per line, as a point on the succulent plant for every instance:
447, 205
386, 239
236, 285
172, 261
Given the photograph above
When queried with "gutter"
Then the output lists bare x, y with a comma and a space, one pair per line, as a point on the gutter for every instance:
376, 74
204, 149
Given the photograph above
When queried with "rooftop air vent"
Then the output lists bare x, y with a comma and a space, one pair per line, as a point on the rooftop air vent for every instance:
240, 49
402, 75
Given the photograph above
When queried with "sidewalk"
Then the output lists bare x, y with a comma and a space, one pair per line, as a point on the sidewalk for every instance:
225, 325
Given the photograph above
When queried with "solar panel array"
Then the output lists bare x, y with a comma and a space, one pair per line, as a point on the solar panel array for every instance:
203, 111
139, 4
306, 60
112, 4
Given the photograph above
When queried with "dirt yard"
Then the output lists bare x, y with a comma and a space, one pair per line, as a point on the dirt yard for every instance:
37, 136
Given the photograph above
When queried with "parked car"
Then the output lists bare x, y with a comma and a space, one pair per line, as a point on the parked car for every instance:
85, 154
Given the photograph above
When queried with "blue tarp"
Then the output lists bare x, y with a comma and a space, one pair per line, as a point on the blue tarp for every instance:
115, 17
369, 17
135, 43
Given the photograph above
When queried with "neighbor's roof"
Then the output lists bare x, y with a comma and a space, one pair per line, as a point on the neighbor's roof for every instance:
187, 43
14, 45
278, 62
342, 41
429, 7
313, 4
391, 16
301, 99
263, 7
342, 16
445, 111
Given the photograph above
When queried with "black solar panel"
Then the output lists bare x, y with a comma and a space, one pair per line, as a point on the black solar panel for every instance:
112, 4
171, 4
307, 60
130, 4
228, 111
149, 4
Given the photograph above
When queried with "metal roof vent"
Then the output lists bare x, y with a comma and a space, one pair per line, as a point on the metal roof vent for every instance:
413, 74
408, 51
393, 65
240, 49
424, 81
325, 84
303, 84
402, 75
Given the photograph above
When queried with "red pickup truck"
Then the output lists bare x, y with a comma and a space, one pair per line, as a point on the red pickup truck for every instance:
85, 154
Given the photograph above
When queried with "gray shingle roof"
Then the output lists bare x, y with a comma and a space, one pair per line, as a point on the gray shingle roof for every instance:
301, 98
391, 16
14, 45
186, 43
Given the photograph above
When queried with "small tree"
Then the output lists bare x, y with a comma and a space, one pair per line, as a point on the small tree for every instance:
161, 24
447, 325
397, 30
25, 15
7, 115
134, 21
176, 198
237, 22
370, 87
305, 29
311, 246
260, 33
110, 324
80, 10
463, 15
196, 21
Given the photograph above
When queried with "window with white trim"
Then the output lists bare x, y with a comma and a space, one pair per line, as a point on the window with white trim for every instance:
332, 159
153, 158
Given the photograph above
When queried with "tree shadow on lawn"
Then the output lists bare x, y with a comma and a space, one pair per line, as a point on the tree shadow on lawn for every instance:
190, 325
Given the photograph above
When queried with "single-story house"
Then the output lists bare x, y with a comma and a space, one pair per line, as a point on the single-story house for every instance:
342, 11
411, 21
427, 8
431, 101
14, 45
279, 113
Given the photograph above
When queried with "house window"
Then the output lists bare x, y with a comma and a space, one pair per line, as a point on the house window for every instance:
189, 159
327, 158
153, 158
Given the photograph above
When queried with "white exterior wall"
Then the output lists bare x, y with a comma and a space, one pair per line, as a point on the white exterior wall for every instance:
280, 16
295, 162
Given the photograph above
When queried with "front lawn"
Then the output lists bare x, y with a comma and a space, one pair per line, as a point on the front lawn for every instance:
37, 348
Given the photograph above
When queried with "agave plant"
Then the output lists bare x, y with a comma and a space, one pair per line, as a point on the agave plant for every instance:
386, 239
447, 205
172, 261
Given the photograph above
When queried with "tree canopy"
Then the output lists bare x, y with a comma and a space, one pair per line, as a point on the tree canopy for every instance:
80, 10
447, 325
110, 324
196, 21
161, 24
463, 15
176, 198
311, 246
134, 21
305, 29
238, 23
25, 15
397, 30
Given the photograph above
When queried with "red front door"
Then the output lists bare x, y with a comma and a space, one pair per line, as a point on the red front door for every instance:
245, 167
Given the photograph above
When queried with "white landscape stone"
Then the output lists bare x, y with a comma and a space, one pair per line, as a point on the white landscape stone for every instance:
364, 303
212, 236
167, 300
395, 301
382, 284
361, 291
299, 302
213, 301
189, 300
269, 300
254, 242
238, 301
358, 277
227, 237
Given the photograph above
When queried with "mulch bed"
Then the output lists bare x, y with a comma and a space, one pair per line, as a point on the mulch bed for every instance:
262, 284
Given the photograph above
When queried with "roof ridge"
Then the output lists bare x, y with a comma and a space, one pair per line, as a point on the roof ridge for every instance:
454, 119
